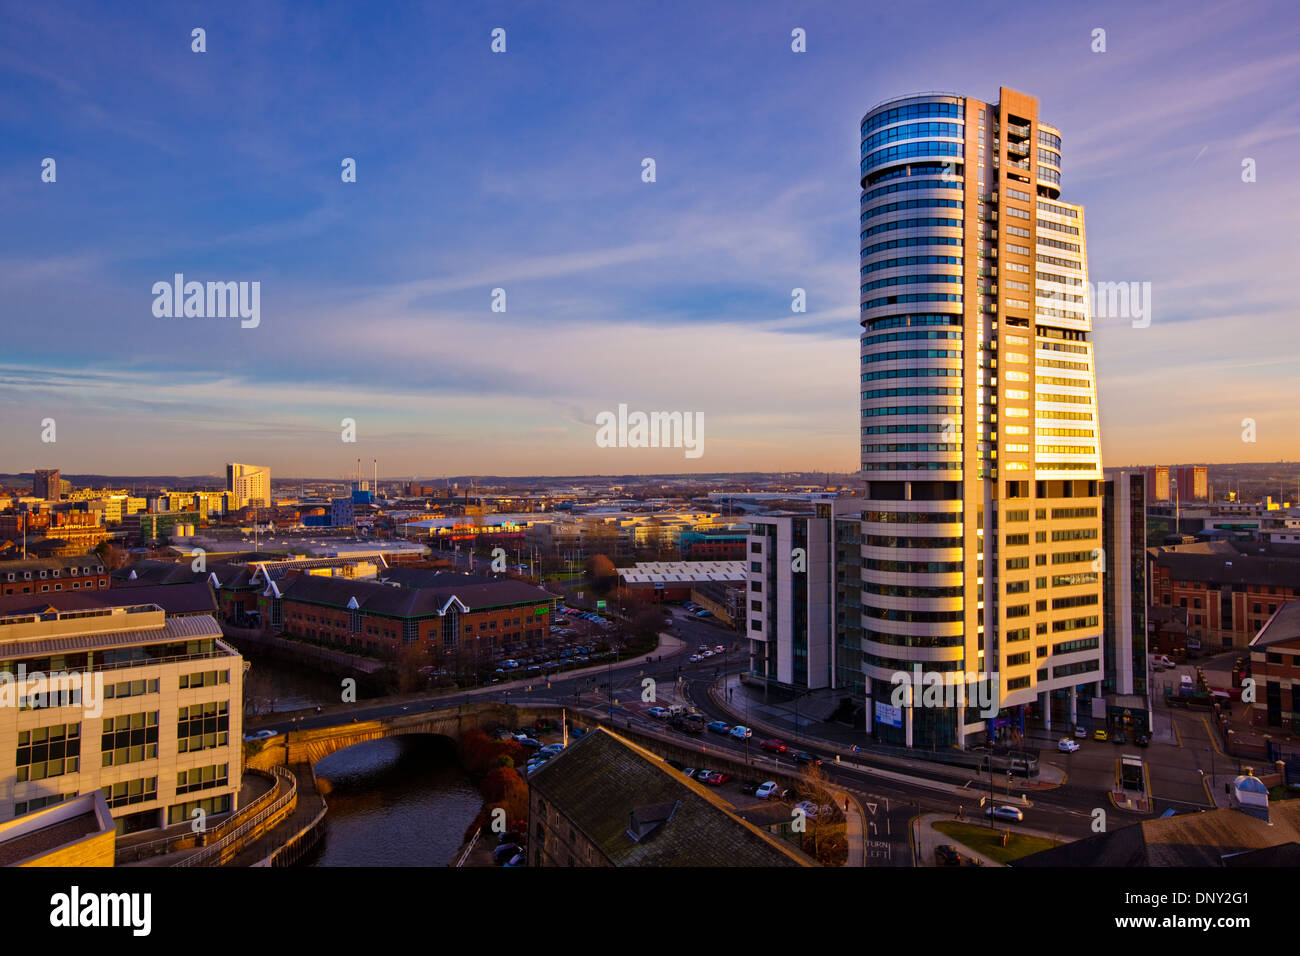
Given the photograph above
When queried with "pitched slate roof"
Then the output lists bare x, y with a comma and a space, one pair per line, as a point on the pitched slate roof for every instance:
606, 785
1188, 839
409, 602
1222, 563
195, 597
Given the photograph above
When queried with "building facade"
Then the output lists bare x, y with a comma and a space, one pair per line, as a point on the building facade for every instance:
1124, 583
149, 712
53, 575
248, 485
47, 484
981, 527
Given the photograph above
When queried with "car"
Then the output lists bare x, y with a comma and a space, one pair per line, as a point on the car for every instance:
708, 653
803, 758
720, 727
528, 743
506, 852
690, 771
1099, 734
695, 658
1081, 733
717, 778
720, 649
812, 810
750, 787
945, 854
1066, 745
767, 791
772, 745
1142, 740
551, 750
1005, 813
741, 733
702, 648
1119, 738
262, 735
661, 713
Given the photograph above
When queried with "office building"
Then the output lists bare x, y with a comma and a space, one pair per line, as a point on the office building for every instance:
981, 526
145, 708
249, 485
1124, 591
47, 484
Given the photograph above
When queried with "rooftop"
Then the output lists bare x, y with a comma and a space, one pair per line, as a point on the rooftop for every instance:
640, 812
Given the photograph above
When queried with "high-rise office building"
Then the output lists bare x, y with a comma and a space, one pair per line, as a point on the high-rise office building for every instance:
47, 484
248, 485
981, 528
1124, 543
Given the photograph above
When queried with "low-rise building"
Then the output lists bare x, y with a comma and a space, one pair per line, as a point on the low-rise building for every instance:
84, 572
1275, 667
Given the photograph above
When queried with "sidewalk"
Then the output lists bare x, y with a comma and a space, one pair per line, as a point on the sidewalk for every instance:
925, 837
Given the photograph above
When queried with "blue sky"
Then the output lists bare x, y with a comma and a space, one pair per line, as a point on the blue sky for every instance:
522, 171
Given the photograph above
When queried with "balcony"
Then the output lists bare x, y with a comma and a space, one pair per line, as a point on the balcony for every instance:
1021, 131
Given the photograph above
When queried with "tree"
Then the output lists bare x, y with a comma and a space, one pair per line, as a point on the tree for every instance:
410, 658
601, 574
113, 555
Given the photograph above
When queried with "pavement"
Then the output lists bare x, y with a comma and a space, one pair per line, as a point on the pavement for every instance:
925, 837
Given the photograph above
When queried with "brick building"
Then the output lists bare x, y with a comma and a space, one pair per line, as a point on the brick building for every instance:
500, 615
48, 575
1275, 666
1228, 594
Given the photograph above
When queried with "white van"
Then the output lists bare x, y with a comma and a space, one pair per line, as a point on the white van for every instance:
1186, 681
1161, 662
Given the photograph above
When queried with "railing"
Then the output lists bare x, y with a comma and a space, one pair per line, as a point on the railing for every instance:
213, 850
460, 861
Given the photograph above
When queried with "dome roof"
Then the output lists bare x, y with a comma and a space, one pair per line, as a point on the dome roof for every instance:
1249, 784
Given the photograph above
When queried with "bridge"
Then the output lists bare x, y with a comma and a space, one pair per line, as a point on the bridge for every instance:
313, 745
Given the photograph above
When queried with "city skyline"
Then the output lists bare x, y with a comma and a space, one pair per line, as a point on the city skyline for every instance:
671, 295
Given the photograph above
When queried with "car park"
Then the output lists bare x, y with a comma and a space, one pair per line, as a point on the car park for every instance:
1013, 814
1066, 745
741, 733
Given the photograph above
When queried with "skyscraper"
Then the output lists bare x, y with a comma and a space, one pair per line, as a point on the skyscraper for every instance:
981, 528
47, 484
248, 485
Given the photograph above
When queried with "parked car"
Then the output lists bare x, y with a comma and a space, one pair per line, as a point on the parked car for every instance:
802, 758
1119, 738
945, 854
1099, 734
1013, 814
772, 745
720, 727
1081, 733
505, 853
767, 790
741, 733
690, 771
750, 787
718, 778
1066, 745
528, 743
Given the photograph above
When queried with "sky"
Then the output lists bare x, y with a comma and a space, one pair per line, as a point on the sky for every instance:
523, 171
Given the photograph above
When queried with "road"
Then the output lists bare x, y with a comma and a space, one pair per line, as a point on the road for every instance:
890, 803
